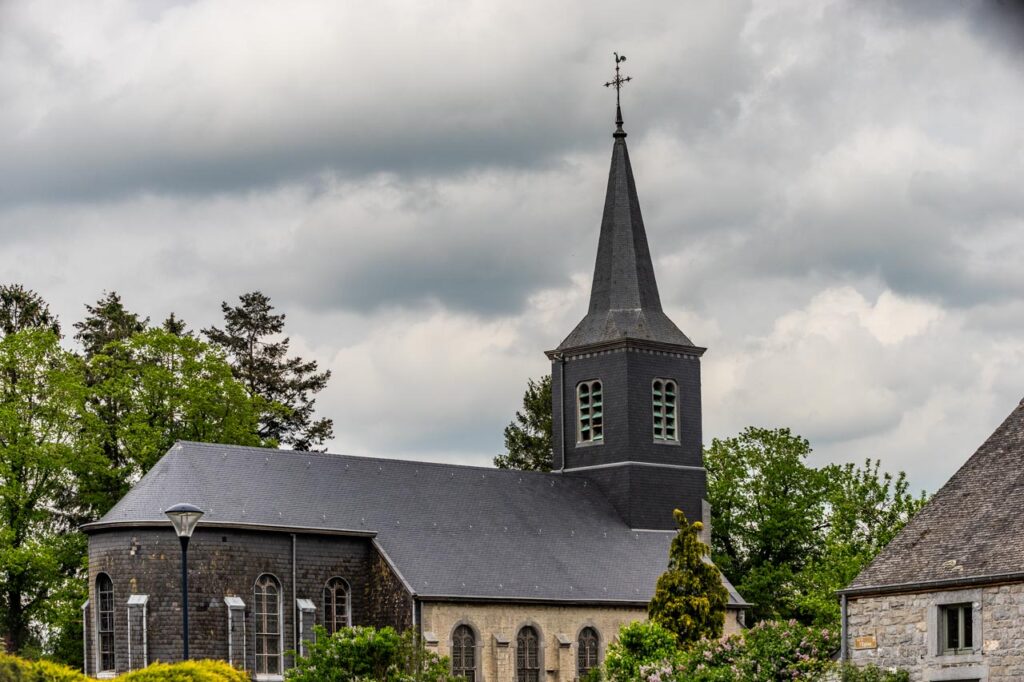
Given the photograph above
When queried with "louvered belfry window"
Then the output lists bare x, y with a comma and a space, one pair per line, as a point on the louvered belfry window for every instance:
267, 625
464, 653
665, 413
590, 413
527, 656
586, 651
105, 621
336, 606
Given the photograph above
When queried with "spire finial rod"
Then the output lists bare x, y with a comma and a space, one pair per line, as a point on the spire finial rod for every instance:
617, 83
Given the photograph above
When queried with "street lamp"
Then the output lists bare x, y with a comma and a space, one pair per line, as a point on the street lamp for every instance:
184, 518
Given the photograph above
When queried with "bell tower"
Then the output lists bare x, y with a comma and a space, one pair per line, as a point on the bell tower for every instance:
626, 395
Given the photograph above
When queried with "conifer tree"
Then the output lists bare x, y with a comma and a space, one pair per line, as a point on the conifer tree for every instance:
22, 308
286, 384
175, 325
528, 438
107, 321
689, 599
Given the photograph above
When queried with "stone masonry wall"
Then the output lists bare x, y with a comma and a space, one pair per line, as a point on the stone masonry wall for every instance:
904, 631
221, 563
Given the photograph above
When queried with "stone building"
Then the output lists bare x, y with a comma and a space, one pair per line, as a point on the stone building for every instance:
945, 599
514, 575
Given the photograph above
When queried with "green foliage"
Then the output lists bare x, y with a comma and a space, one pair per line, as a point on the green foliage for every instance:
44, 457
789, 535
366, 653
22, 308
528, 442
108, 321
871, 673
284, 384
14, 669
156, 388
640, 644
187, 671
689, 599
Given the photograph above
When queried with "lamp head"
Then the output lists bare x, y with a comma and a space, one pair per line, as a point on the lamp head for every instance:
184, 518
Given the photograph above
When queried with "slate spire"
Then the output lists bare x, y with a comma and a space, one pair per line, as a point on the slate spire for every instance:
624, 300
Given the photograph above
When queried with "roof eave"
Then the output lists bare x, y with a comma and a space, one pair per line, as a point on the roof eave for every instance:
933, 585
642, 344
99, 526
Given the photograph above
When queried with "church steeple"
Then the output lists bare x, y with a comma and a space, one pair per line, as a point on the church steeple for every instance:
626, 382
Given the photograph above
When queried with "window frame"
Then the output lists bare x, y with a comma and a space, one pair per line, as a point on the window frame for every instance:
659, 411
330, 620
263, 673
474, 636
586, 388
103, 634
524, 671
965, 614
588, 629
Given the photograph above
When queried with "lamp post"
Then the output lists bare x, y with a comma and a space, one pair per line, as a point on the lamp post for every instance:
184, 518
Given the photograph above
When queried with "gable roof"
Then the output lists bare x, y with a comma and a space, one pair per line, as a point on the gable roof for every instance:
624, 299
971, 531
450, 531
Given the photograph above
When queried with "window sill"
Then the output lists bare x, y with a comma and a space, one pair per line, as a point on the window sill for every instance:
269, 678
967, 657
589, 443
106, 675
666, 442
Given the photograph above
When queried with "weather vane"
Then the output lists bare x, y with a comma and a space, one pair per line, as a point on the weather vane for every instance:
618, 81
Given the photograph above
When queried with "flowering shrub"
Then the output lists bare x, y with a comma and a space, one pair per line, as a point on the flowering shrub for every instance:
639, 646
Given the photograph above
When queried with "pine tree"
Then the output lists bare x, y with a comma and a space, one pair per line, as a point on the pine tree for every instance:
107, 321
22, 308
286, 384
175, 325
528, 438
689, 599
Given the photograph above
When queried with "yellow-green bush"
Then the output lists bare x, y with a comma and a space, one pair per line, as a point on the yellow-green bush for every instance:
14, 669
190, 671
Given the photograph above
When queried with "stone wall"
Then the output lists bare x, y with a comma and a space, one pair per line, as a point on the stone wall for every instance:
222, 563
904, 631
496, 626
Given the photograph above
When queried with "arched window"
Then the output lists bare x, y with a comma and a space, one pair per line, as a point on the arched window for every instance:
586, 651
590, 417
336, 605
464, 653
267, 625
528, 655
664, 401
105, 621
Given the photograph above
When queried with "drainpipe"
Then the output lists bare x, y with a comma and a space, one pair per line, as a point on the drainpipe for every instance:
85, 638
843, 652
295, 604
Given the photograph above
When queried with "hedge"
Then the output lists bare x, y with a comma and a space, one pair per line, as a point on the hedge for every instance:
14, 669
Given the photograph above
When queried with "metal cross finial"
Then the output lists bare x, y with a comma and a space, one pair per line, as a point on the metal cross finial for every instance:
618, 82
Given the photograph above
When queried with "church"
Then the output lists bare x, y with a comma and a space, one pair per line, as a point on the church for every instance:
514, 575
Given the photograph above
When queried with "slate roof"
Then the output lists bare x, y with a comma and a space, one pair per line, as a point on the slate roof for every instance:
624, 300
450, 531
971, 531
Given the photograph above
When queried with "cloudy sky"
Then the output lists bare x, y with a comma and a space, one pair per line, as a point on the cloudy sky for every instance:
832, 193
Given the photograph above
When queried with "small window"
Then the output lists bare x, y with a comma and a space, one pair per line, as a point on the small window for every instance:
665, 414
267, 625
105, 621
590, 417
464, 653
336, 605
527, 655
586, 652
957, 629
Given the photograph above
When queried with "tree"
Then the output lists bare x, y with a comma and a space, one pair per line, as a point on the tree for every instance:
528, 441
166, 388
368, 653
44, 456
768, 508
639, 644
285, 384
175, 325
107, 321
689, 598
22, 308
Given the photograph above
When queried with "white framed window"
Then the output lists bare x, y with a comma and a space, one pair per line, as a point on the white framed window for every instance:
665, 408
956, 623
267, 628
589, 412
337, 606
105, 624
